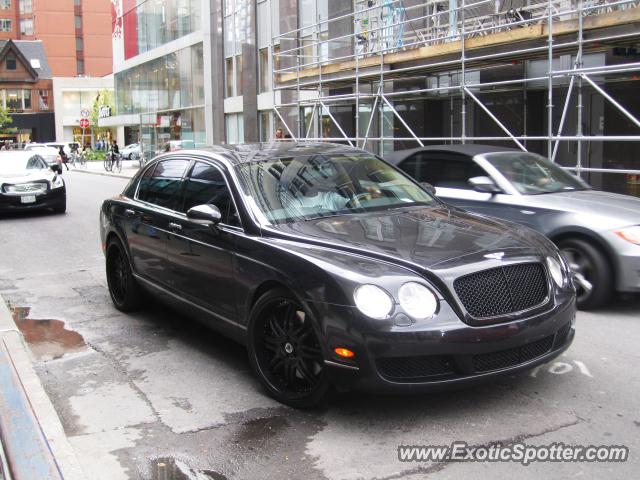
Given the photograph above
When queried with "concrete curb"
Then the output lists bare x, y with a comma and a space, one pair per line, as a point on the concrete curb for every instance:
104, 174
35, 444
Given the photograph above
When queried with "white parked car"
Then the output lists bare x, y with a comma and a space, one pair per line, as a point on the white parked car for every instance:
131, 151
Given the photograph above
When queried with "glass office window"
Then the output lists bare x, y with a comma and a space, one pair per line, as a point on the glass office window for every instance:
170, 82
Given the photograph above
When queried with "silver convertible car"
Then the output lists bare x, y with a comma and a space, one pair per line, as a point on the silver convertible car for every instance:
597, 232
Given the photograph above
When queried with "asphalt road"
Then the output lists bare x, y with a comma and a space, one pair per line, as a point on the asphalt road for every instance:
153, 395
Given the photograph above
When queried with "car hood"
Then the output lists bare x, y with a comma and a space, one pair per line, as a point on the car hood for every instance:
22, 177
615, 207
426, 237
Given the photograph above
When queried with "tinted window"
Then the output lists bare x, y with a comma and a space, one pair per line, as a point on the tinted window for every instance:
446, 171
206, 184
35, 163
162, 188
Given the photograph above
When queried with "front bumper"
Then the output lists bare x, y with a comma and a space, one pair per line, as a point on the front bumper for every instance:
627, 260
50, 199
447, 354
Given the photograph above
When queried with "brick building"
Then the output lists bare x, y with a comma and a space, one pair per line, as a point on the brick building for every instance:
76, 33
26, 90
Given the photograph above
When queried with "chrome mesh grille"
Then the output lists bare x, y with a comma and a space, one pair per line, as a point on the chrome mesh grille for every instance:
502, 290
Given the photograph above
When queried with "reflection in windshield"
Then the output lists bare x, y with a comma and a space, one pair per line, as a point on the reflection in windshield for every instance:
11, 165
532, 174
301, 188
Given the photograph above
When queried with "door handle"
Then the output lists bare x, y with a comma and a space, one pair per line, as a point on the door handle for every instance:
129, 212
175, 226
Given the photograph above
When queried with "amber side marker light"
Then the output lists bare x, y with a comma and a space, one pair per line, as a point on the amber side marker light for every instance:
344, 352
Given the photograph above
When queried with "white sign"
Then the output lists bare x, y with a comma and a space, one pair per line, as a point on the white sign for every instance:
104, 111
84, 113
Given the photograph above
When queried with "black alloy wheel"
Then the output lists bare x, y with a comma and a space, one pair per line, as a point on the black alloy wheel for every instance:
284, 351
591, 272
125, 293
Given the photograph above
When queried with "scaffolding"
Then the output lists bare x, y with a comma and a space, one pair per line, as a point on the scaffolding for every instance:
355, 62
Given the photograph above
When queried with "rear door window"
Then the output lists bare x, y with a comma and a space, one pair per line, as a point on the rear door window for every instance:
446, 171
162, 187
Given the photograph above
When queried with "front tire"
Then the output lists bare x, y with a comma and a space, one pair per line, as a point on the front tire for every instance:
285, 352
591, 271
62, 208
125, 292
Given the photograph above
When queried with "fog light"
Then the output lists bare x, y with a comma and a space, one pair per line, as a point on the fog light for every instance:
344, 352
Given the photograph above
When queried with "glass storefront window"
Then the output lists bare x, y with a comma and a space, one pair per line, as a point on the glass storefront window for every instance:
171, 82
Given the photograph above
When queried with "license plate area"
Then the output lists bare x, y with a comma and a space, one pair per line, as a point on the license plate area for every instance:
28, 199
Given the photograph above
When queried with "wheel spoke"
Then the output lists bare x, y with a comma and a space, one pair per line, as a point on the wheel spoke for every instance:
276, 363
583, 283
275, 326
305, 373
271, 343
308, 352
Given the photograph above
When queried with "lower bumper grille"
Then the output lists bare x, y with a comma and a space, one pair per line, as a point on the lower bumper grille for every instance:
513, 356
415, 368
433, 367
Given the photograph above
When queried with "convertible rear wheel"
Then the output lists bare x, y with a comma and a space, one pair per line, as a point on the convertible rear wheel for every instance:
123, 288
284, 351
591, 272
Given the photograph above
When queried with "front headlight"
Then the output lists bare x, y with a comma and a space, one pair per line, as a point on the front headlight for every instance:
630, 234
555, 269
417, 300
57, 182
373, 301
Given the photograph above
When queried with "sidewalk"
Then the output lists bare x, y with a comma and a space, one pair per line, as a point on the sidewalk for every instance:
129, 169
34, 441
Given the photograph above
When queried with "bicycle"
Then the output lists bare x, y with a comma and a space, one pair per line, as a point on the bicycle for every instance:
113, 162
82, 159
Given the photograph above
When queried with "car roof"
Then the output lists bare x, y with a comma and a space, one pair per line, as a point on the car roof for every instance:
40, 148
254, 152
469, 149
16, 154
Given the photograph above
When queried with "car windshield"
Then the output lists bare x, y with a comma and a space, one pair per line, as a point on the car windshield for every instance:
12, 165
307, 187
532, 174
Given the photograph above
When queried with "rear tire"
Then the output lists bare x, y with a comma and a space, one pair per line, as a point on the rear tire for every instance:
125, 292
285, 352
589, 267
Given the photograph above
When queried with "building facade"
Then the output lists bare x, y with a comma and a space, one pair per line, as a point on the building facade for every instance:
75, 97
76, 33
26, 91
557, 77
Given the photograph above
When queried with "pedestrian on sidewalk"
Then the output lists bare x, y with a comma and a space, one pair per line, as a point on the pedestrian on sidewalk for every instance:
63, 158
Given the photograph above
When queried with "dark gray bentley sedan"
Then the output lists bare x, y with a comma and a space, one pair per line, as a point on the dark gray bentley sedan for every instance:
336, 270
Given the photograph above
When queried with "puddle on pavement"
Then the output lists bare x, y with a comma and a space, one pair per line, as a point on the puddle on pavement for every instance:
168, 468
260, 430
47, 339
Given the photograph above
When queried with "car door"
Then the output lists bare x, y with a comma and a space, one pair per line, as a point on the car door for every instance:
449, 174
201, 256
147, 220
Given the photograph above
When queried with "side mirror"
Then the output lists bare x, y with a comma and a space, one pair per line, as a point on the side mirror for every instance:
56, 168
205, 214
428, 187
483, 184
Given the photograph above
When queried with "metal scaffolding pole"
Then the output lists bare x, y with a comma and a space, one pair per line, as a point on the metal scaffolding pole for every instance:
464, 44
